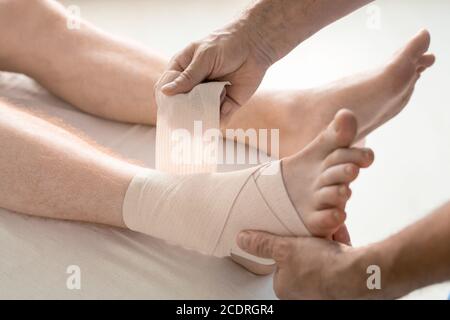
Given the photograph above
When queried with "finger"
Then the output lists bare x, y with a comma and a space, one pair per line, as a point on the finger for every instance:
240, 90
182, 59
167, 77
265, 245
342, 235
195, 73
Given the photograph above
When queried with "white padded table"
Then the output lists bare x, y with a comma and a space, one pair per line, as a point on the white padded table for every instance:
115, 263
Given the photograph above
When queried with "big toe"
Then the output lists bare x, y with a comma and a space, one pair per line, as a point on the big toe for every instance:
341, 132
418, 45
409, 62
345, 127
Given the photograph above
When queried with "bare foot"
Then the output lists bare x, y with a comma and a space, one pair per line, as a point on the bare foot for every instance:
378, 96
374, 97
318, 177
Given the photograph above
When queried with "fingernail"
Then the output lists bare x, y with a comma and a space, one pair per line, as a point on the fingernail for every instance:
168, 86
226, 108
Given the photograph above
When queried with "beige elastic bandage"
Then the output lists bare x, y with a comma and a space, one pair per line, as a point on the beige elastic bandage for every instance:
189, 204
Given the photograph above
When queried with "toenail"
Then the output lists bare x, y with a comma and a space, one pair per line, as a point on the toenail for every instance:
367, 155
337, 215
343, 190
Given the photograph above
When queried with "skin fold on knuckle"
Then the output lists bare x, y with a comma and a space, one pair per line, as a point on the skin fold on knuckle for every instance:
261, 244
184, 78
210, 58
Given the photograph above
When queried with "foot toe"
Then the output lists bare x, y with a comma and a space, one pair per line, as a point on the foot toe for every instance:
426, 61
345, 127
419, 44
339, 174
324, 223
341, 132
332, 196
362, 157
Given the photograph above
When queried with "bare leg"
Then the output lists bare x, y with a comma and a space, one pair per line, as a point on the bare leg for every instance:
86, 67
113, 79
47, 171
50, 172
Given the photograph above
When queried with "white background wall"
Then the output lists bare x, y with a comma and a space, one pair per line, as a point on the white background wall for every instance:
411, 174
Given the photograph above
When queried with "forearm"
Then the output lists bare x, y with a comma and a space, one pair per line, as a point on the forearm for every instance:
415, 257
280, 25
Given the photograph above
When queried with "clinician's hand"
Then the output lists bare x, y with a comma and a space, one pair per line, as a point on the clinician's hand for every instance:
232, 54
309, 267
242, 51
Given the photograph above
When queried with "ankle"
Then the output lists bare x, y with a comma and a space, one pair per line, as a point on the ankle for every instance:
301, 106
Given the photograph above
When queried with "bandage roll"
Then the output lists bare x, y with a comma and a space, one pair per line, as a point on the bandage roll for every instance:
186, 202
187, 130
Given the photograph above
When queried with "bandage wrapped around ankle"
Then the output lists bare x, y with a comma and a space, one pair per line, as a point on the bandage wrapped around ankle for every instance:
205, 212
186, 202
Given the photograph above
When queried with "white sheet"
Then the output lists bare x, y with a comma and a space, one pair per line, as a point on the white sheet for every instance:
115, 263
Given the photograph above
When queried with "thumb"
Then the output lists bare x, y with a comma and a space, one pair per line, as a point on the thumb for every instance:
195, 73
265, 245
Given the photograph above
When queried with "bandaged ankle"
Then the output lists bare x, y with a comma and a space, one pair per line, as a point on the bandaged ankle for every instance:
205, 212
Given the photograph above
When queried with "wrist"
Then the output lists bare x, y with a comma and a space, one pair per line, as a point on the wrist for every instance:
259, 50
373, 267
355, 274
375, 263
345, 279
276, 27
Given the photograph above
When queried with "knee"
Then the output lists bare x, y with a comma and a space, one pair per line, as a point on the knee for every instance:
14, 12
28, 16
13, 7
